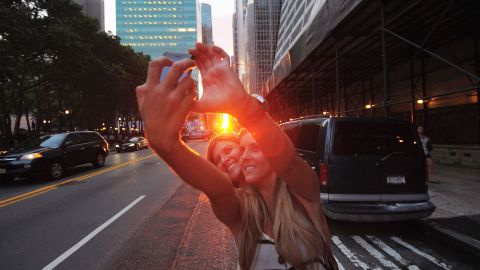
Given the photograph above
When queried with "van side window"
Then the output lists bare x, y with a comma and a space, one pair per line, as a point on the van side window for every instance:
308, 137
292, 131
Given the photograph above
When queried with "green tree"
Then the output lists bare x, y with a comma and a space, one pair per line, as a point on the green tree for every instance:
54, 58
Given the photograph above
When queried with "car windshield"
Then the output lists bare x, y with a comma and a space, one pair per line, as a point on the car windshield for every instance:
48, 141
360, 138
134, 139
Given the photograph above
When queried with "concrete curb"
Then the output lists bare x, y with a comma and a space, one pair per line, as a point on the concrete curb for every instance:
206, 243
185, 236
457, 239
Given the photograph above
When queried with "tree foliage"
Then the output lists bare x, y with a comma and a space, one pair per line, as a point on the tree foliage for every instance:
54, 58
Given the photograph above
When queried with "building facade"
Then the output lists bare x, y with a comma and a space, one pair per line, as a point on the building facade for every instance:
207, 30
156, 27
94, 9
295, 17
260, 32
238, 62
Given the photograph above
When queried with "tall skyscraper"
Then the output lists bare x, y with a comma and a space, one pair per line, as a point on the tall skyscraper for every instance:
238, 62
261, 25
207, 30
296, 16
156, 27
94, 9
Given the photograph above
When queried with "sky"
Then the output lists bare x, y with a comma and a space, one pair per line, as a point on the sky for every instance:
222, 12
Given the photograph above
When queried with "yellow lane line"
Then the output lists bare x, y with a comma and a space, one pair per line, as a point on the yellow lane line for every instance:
26, 197
45, 189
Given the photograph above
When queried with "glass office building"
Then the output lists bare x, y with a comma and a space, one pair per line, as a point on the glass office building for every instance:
207, 32
261, 24
156, 27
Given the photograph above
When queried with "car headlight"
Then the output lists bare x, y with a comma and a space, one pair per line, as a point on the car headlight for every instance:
132, 144
31, 156
116, 145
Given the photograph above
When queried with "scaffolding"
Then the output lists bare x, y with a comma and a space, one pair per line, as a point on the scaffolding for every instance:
417, 60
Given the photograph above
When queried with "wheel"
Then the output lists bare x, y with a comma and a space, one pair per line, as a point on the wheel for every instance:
99, 160
55, 170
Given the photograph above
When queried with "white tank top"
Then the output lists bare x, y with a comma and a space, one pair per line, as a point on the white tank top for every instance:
267, 257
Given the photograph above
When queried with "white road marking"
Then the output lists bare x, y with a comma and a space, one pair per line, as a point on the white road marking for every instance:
340, 266
421, 253
375, 253
390, 251
87, 238
344, 249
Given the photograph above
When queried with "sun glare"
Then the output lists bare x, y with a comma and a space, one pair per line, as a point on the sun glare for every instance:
225, 123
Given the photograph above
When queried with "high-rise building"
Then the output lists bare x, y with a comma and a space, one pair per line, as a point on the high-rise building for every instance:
296, 16
238, 62
94, 9
156, 27
207, 30
261, 25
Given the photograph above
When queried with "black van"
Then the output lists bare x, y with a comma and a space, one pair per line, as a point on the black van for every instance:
370, 169
49, 155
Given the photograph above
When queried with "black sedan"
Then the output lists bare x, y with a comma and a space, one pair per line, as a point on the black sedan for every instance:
48, 156
133, 144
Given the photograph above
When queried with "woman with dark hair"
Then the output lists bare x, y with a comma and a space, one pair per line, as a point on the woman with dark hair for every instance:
276, 216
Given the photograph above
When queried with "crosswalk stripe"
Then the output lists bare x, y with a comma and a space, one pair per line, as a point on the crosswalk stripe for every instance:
390, 251
421, 253
340, 266
348, 253
375, 253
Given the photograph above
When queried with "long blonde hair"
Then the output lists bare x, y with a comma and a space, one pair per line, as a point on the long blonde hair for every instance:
297, 240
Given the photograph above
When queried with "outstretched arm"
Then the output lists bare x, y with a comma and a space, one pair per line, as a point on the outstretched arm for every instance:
164, 106
223, 92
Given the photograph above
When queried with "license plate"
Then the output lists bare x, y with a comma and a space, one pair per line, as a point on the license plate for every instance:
3, 171
396, 180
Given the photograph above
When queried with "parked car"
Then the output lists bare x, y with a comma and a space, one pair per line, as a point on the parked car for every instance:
370, 169
49, 155
133, 144
202, 134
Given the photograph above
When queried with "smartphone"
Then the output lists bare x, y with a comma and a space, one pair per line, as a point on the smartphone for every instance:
175, 57
165, 71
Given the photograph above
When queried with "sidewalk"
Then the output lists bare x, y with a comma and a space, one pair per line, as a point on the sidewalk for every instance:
206, 243
455, 191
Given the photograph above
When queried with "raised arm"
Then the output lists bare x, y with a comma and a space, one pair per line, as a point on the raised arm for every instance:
223, 92
164, 106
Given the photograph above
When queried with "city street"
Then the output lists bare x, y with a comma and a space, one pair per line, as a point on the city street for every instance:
135, 214
79, 224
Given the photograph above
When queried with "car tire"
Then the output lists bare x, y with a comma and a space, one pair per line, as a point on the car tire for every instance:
99, 160
55, 170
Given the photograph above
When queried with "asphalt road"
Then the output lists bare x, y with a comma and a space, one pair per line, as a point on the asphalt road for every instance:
80, 221
402, 245
132, 214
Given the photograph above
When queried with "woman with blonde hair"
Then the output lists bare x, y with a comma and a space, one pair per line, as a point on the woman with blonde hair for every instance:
276, 216
224, 152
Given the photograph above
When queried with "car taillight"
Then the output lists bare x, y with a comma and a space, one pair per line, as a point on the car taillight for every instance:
323, 174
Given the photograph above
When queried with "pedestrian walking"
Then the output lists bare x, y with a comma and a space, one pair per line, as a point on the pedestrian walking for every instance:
276, 217
427, 149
